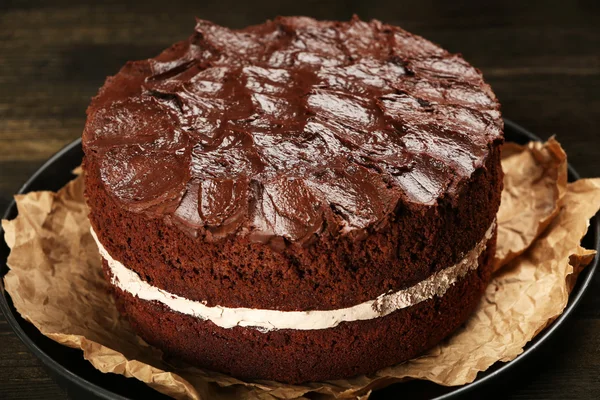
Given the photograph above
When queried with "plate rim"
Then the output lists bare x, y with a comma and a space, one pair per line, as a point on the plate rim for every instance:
574, 299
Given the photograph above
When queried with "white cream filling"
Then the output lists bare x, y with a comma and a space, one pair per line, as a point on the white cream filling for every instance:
266, 320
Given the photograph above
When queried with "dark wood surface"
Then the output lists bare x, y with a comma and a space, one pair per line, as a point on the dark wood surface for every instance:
541, 58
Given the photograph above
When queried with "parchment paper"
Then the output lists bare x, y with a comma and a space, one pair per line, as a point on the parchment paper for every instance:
56, 283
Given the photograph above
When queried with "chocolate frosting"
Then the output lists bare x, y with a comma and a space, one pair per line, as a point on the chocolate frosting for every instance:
291, 129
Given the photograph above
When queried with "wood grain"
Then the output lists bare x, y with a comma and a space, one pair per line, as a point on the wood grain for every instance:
541, 58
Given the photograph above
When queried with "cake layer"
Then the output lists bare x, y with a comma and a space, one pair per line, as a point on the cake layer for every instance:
266, 320
295, 356
292, 129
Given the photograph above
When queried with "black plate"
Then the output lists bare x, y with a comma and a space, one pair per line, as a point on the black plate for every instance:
82, 381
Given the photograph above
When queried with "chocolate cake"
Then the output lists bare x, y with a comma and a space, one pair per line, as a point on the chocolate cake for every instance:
298, 200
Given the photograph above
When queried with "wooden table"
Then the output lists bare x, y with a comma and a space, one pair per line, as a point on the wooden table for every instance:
543, 61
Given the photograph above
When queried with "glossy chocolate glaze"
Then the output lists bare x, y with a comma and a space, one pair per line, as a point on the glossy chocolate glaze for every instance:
291, 129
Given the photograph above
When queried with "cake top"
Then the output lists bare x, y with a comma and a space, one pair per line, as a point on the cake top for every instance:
291, 128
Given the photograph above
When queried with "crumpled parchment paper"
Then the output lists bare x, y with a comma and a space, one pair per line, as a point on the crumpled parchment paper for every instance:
56, 283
